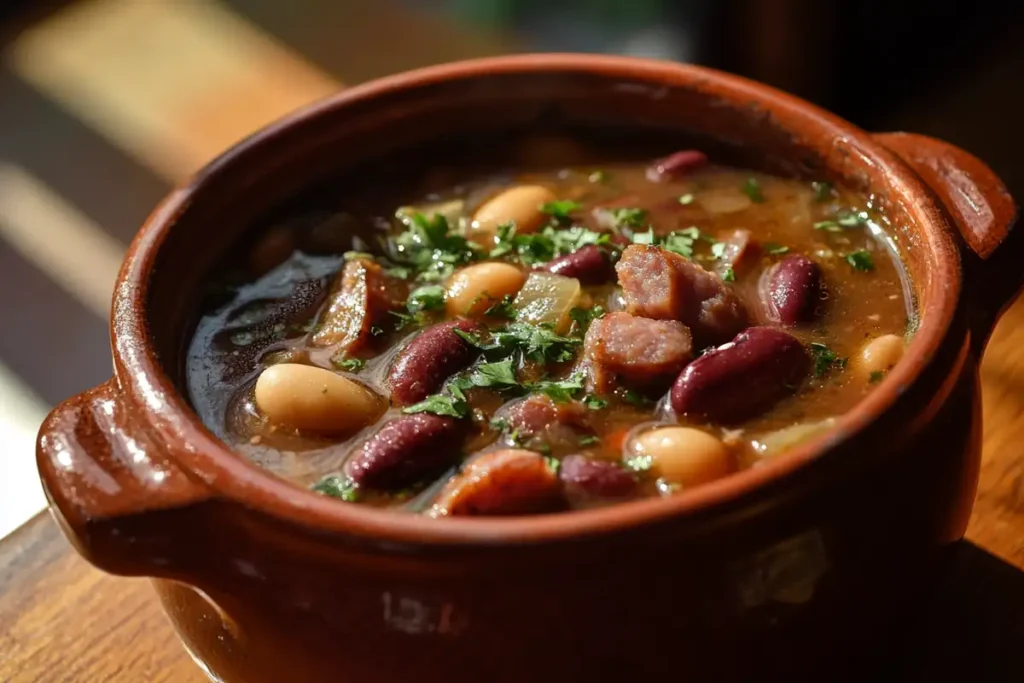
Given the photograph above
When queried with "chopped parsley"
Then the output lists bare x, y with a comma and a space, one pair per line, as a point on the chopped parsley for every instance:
822, 191
503, 308
536, 342
594, 403
634, 398
629, 217
588, 440
876, 376
584, 316
441, 404
828, 226
718, 249
406, 319
427, 248
752, 188
341, 488
639, 463
774, 248
536, 248
729, 275
861, 260
348, 364
560, 391
844, 219
425, 298
686, 199
825, 359
499, 375
561, 209
681, 242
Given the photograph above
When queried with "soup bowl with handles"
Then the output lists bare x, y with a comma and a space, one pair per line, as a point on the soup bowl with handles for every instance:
776, 571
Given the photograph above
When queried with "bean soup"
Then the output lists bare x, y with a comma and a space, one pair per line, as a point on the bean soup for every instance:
553, 339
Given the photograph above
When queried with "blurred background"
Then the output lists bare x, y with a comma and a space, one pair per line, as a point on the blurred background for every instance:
105, 104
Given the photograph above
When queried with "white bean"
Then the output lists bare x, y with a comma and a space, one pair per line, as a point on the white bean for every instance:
474, 289
311, 398
520, 204
684, 455
880, 354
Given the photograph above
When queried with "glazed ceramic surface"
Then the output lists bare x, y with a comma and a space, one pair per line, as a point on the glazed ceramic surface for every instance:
776, 571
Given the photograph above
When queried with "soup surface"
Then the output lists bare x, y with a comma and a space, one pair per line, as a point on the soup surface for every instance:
550, 340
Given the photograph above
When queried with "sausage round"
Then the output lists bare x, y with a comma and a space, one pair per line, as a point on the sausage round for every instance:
636, 351
506, 482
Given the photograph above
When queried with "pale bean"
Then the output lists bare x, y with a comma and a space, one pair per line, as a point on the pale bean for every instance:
880, 354
683, 455
520, 204
311, 398
474, 289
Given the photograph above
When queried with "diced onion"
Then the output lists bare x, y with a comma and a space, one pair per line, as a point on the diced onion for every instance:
723, 200
547, 299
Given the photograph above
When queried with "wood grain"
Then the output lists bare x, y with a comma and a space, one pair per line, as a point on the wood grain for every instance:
65, 622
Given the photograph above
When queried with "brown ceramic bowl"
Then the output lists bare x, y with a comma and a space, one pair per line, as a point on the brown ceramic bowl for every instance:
771, 572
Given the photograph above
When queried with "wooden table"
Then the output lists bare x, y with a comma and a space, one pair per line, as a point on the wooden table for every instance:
63, 621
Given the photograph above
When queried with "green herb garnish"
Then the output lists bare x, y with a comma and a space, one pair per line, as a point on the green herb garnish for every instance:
822, 191
630, 217
560, 391
503, 309
537, 342
876, 376
348, 364
594, 402
635, 398
825, 359
425, 298
775, 248
861, 260
376, 331
588, 440
500, 375
729, 275
561, 209
441, 404
427, 248
584, 316
752, 188
536, 248
828, 226
341, 488
639, 463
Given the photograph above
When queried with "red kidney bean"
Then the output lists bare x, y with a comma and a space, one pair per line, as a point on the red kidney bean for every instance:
589, 264
405, 451
792, 290
676, 165
743, 378
506, 482
584, 477
429, 359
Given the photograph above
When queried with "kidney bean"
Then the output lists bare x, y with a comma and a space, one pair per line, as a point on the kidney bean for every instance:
589, 264
743, 378
506, 482
741, 251
429, 359
676, 165
792, 290
405, 451
584, 477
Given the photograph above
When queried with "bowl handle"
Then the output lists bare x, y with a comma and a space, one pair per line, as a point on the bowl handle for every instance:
112, 488
984, 213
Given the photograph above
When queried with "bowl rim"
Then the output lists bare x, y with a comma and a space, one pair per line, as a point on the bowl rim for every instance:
231, 477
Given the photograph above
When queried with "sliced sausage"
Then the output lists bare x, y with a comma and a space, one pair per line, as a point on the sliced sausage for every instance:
404, 451
361, 297
677, 165
537, 421
639, 352
793, 290
741, 251
506, 482
584, 478
743, 378
429, 359
590, 265
657, 283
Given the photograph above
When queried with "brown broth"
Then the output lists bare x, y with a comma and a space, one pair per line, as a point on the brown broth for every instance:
269, 316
